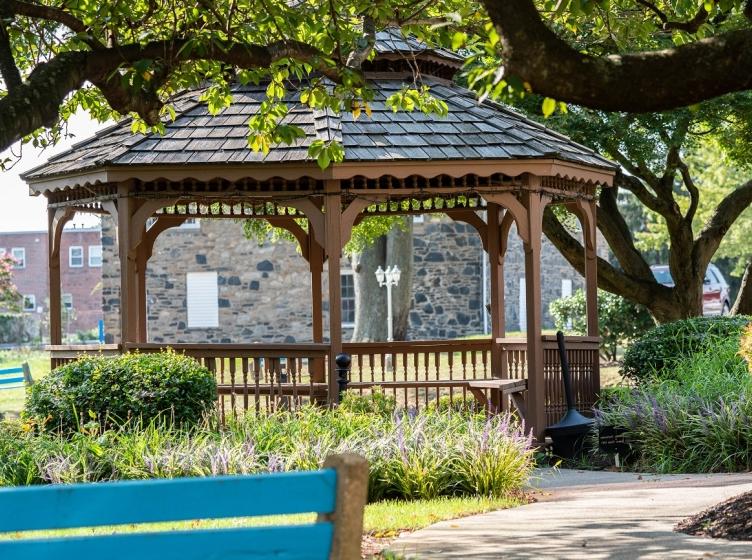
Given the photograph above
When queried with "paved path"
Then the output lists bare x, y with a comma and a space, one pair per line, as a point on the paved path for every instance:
589, 515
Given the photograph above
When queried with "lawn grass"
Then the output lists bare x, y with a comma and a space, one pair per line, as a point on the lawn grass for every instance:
12, 400
610, 376
382, 519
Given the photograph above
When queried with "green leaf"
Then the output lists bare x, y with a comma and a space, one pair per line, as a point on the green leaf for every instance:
458, 40
548, 107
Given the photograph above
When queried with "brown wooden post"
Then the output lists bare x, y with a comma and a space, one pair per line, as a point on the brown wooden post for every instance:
56, 220
142, 258
128, 285
316, 262
495, 263
536, 386
589, 228
352, 493
333, 227
591, 287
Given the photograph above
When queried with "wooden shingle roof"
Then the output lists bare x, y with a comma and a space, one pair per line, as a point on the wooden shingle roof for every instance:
470, 131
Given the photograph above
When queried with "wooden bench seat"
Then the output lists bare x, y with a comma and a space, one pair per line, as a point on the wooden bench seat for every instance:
337, 494
513, 388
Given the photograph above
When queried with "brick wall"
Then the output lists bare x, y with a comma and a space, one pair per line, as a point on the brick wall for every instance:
82, 283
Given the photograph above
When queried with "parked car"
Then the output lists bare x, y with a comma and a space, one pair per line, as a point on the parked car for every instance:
715, 289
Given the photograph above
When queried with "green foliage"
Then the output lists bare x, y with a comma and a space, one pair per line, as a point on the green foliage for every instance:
694, 420
619, 320
657, 353
114, 391
411, 455
377, 402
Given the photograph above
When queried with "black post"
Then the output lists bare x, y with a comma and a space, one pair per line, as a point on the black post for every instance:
342, 361
565, 374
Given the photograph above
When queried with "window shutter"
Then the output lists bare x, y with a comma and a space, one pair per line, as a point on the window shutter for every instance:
202, 300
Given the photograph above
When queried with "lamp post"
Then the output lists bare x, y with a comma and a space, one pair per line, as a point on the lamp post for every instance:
389, 277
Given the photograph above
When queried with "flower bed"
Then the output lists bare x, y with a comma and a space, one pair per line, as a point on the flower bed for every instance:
411, 455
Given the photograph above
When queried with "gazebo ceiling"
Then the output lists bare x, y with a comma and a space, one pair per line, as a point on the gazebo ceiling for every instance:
481, 138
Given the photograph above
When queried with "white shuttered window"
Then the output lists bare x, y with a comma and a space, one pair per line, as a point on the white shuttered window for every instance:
202, 300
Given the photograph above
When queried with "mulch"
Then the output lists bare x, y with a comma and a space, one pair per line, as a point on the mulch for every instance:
730, 520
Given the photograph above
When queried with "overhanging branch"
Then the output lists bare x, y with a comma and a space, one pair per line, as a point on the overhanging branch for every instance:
719, 223
36, 102
636, 82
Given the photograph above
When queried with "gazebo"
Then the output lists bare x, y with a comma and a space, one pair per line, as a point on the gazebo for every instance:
482, 164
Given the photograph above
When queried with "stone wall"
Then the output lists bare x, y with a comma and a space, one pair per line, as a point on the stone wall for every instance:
264, 291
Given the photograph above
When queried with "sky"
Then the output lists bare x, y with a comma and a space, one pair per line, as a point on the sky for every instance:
18, 210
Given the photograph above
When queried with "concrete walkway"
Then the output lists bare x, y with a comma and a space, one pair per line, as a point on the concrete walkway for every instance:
589, 515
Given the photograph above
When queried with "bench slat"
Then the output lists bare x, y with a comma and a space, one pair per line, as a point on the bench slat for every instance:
18, 369
112, 503
294, 542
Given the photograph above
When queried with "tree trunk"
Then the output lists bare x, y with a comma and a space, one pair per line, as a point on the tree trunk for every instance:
743, 304
395, 248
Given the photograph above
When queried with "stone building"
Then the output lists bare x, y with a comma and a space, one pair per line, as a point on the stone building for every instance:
206, 282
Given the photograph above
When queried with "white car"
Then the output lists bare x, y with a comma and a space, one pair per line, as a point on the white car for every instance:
715, 289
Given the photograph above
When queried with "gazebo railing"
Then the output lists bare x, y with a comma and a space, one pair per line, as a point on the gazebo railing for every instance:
417, 373
255, 377
584, 365
259, 377
269, 377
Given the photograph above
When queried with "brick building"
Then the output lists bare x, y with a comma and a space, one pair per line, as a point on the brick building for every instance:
207, 283
80, 270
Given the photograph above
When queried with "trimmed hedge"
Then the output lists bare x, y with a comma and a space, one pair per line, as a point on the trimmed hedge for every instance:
657, 352
111, 391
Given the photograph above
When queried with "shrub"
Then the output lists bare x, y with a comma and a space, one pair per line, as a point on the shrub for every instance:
112, 391
411, 455
375, 402
619, 320
698, 419
657, 352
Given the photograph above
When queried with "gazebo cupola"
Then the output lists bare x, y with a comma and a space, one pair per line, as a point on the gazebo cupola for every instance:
482, 164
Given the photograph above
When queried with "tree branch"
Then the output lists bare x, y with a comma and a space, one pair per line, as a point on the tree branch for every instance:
609, 277
636, 82
743, 303
719, 223
36, 102
619, 237
690, 26
694, 192
50, 13
8, 69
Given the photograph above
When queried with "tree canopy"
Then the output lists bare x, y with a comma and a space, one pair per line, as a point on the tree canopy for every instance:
128, 57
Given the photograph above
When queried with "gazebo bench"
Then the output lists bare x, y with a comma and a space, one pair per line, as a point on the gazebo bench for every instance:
514, 388
336, 493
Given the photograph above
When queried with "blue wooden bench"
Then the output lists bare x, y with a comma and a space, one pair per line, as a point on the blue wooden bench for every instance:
15, 377
336, 493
